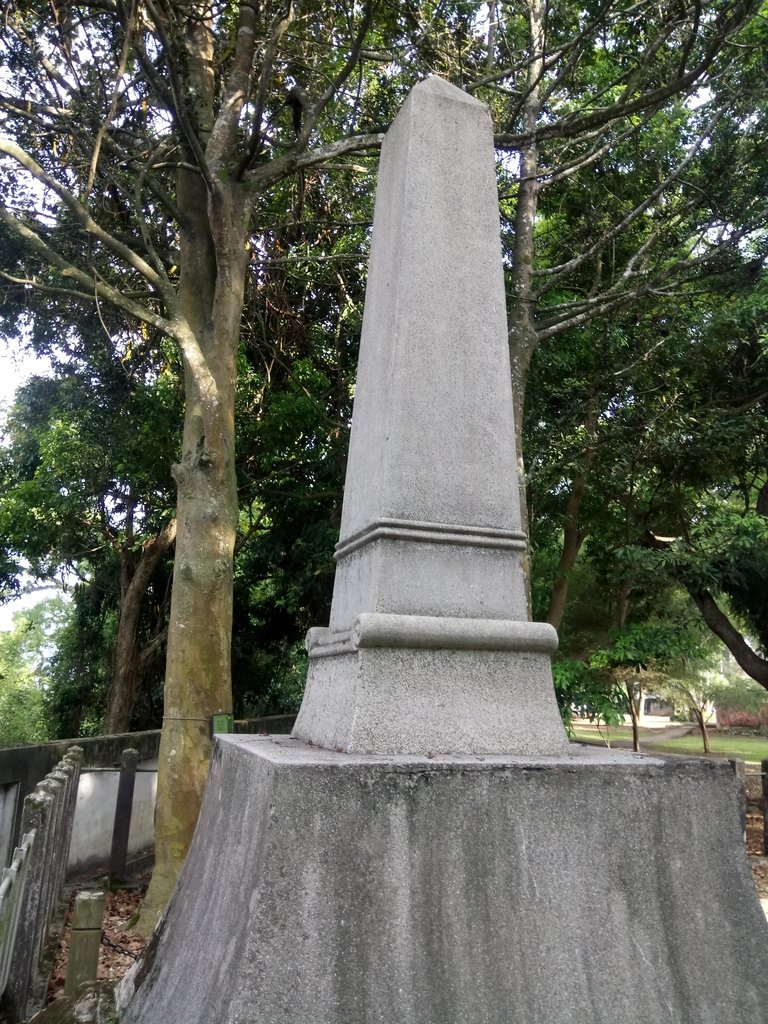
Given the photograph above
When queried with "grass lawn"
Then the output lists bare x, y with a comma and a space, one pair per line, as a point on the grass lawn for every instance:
748, 748
593, 734
612, 733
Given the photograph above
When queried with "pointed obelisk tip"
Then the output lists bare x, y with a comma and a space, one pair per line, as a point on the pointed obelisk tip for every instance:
436, 86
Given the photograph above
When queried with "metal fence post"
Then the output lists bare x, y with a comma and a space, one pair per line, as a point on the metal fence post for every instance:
118, 856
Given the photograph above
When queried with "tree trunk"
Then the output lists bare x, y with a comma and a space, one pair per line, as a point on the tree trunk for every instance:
699, 716
198, 667
573, 538
573, 535
622, 610
128, 665
634, 715
522, 329
622, 604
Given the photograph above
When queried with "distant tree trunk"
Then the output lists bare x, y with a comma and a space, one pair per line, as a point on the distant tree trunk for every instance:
128, 665
622, 610
523, 338
573, 538
634, 714
573, 534
698, 714
622, 604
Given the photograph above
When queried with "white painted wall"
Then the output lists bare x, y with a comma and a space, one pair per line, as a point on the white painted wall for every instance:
95, 817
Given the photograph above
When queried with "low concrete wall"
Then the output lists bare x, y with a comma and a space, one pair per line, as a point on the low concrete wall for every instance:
270, 725
95, 816
22, 767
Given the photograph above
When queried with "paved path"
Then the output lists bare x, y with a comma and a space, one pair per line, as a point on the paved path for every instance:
649, 736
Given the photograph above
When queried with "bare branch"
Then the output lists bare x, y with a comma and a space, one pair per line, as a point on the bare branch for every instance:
33, 282
549, 176
31, 110
281, 22
599, 306
349, 65
81, 214
557, 273
143, 227
103, 128
93, 287
178, 105
578, 122
266, 174
224, 129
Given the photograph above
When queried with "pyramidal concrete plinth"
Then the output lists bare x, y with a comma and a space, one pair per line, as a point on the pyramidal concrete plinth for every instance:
429, 647
597, 887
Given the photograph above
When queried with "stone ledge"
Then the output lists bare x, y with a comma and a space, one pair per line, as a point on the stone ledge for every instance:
432, 632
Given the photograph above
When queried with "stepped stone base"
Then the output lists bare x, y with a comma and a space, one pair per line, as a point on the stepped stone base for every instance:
432, 684
587, 888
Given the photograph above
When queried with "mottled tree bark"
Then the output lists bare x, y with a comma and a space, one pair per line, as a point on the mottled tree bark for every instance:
198, 667
212, 267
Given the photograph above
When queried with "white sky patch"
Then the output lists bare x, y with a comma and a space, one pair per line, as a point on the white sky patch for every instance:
24, 602
17, 365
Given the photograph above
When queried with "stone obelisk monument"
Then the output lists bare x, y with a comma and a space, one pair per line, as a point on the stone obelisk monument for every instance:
429, 647
427, 848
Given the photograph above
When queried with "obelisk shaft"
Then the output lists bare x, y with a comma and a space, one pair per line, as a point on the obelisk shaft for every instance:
432, 450
429, 647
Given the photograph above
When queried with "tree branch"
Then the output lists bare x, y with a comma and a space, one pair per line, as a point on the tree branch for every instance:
722, 627
266, 174
349, 65
556, 273
120, 71
279, 27
81, 214
237, 89
94, 288
576, 123
178, 106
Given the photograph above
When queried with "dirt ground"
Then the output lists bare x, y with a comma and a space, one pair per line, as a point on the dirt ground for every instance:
757, 860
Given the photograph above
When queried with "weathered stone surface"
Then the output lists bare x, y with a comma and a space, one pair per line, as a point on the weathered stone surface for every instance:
93, 1003
85, 940
589, 888
432, 446
431, 521
519, 881
435, 698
